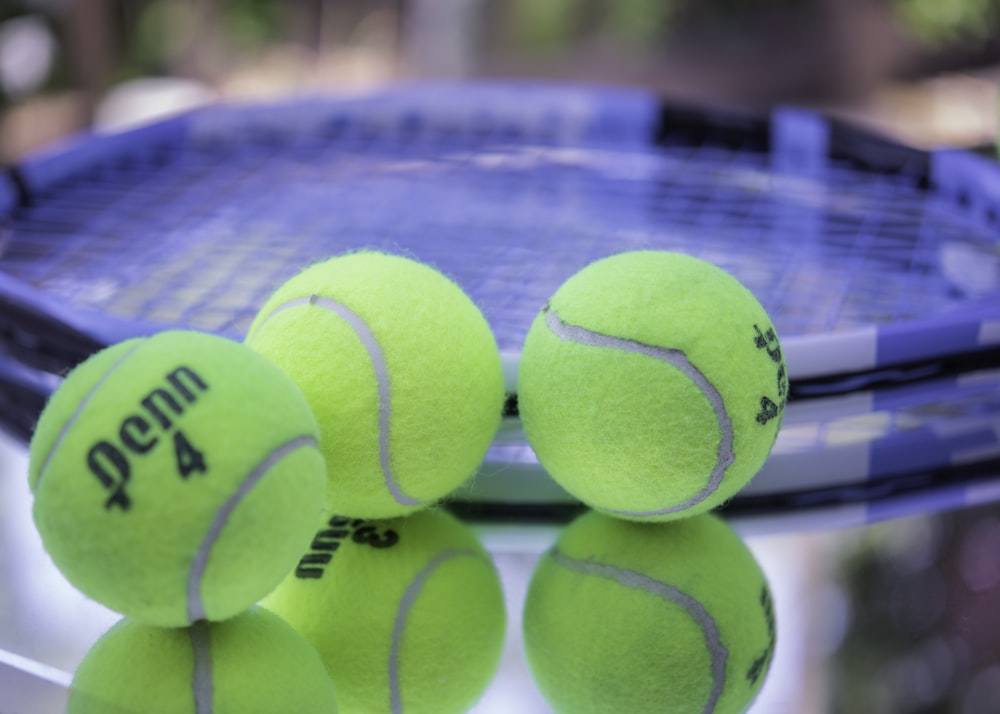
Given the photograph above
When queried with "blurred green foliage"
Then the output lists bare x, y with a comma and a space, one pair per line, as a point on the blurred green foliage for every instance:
642, 22
158, 32
155, 38
251, 24
939, 22
548, 25
542, 26
152, 36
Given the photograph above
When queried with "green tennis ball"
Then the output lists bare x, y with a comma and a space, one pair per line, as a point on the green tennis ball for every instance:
652, 385
172, 477
401, 370
254, 662
407, 614
671, 618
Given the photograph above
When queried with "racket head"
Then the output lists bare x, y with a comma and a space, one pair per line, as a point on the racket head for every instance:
866, 253
878, 262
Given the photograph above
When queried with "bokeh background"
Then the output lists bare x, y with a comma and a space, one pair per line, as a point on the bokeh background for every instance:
923, 68
903, 617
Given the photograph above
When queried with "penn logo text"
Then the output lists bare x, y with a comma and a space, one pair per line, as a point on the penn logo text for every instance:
152, 423
772, 405
336, 532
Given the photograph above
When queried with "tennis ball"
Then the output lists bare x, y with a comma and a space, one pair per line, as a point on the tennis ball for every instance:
671, 618
401, 370
652, 385
407, 614
253, 662
172, 477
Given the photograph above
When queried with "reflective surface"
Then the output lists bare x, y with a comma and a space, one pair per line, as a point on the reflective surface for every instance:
46, 626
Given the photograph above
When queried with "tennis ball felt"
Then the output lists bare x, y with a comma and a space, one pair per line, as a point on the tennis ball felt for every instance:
671, 618
173, 477
407, 614
251, 663
652, 385
401, 370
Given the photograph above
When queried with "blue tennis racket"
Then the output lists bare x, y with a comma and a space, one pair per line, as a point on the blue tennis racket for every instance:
879, 263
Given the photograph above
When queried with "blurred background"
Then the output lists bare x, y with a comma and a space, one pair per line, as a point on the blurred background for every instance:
902, 617
921, 68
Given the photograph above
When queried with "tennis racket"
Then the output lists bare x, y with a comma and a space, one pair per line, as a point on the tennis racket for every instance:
879, 263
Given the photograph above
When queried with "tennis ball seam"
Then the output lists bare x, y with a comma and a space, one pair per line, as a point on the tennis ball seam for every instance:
569, 332
638, 581
254, 663
406, 603
201, 680
71, 421
196, 606
377, 358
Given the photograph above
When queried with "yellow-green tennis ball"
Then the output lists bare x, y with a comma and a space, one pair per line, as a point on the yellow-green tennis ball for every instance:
401, 370
652, 385
671, 618
251, 663
407, 614
173, 477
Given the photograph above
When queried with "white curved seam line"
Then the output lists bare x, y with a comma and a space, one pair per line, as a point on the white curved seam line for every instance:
195, 604
676, 358
76, 413
632, 579
377, 359
406, 603
297, 302
201, 679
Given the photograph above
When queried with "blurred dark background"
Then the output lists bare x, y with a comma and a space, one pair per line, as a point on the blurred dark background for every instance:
63, 62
